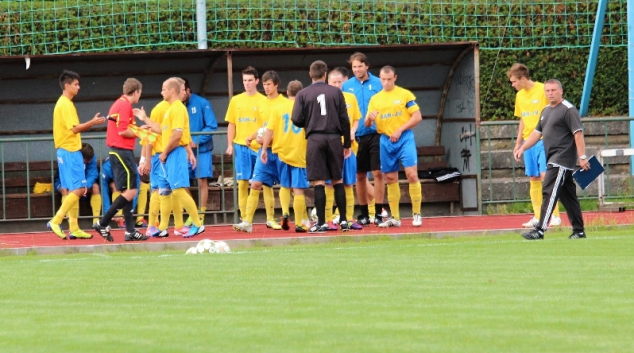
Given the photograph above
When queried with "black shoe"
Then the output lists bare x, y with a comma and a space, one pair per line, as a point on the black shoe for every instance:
577, 235
316, 228
364, 220
377, 220
345, 226
103, 231
163, 234
285, 225
534, 234
135, 236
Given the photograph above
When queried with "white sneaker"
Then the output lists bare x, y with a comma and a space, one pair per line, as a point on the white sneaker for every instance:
244, 226
306, 224
417, 221
384, 214
390, 223
555, 221
531, 224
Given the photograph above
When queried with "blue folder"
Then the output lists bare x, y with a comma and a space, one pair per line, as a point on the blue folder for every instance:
586, 177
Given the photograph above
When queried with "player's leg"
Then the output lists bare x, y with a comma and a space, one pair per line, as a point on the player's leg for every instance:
71, 172
555, 219
349, 177
95, 202
141, 203
369, 187
330, 202
552, 184
409, 160
244, 164
285, 182
363, 167
532, 171
299, 183
317, 148
267, 190
379, 182
336, 161
568, 197
389, 167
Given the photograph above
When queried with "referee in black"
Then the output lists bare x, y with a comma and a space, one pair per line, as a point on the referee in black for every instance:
560, 127
321, 110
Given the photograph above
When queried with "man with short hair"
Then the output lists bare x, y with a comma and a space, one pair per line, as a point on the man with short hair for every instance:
201, 119
121, 141
395, 113
559, 127
67, 139
530, 100
321, 110
364, 86
244, 120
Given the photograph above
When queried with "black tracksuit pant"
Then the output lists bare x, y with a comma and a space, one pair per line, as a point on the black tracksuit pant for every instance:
558, 185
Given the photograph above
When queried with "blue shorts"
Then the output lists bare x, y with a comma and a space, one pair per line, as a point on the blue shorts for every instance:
244, 161
403, 151
71, 169
267, 173
175, 172
535, 160
292, 177
203, 168
155, 172
349, 172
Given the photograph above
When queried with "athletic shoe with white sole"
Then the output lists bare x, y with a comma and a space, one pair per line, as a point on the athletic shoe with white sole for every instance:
181, 231
163, 234
577, 235
555, 221
243, 226
417, 220
193, 231
535, 234
152, 231
273, 225
316, 228
377, 220
285, 222
532, 223
355, 226
332, 226
135, 236
364, 220
57, 229
391, 222
103, 231
345, 226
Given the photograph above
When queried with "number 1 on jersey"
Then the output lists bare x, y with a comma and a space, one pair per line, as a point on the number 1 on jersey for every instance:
321, 99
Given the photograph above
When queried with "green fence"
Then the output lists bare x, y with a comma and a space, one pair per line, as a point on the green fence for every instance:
20, 203
71, 26
624, 187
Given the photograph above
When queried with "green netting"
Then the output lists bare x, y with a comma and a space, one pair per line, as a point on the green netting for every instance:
67, 26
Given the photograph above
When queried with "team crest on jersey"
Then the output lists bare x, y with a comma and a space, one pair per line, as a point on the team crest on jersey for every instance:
397, 102
255, 108
351, 89
193, 110
535, 101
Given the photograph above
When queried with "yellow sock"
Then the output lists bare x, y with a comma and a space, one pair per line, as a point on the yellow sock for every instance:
371, 206
141, 202
393, 198
202, 214
252, 205
73, 217
536, 197
349, 202
189, 204
269, 203
416, 195
243, 195
95, 204
285, 200
155, 207
166, 208
299, 208
67, 203
116, 194
330, 201
177, 210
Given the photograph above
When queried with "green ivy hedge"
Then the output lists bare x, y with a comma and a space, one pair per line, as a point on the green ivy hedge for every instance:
45, 27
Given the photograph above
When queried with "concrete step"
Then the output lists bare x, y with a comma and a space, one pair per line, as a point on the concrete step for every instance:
590, 129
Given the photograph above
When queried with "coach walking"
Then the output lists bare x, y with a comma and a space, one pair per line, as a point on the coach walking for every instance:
560, 126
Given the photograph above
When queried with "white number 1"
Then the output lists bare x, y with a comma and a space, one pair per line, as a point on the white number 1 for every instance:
321, 99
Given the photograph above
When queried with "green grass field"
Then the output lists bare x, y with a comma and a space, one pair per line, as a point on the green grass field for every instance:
479, 294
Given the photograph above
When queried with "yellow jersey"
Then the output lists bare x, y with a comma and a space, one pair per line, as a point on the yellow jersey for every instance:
395, 108
64, 118
243, 112
157, 114
176, 118
352, 105
290, 141
266, 106
529, 105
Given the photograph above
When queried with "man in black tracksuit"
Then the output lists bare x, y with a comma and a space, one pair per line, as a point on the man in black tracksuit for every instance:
321, 110
560, 126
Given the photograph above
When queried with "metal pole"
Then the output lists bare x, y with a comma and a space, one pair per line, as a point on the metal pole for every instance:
201, 23
594, 53
630, 67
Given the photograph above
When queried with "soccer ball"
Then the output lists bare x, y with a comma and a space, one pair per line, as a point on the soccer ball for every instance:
206, 244
261, 132
200, 248
213, 250
191, 251
313, 215
222, 247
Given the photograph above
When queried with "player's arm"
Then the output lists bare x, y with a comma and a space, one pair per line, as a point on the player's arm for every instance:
372, 114
172, 143
519, 139
344, 120
209, 124
140, 113
96, 120
530, 142
298, 117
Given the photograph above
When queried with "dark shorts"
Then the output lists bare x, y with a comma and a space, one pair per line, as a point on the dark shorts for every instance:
324, 157
124, 170
369, 153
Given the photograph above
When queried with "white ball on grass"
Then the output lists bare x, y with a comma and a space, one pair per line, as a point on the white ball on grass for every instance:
191, 251
222, 247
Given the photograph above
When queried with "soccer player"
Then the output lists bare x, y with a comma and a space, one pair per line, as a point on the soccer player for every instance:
176, 153
321, 110
336, 79
364, 86
395, 113
562, 133
243, 118
70, 162
529, 102
271, 82
121, 141
201, 119
109, 191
